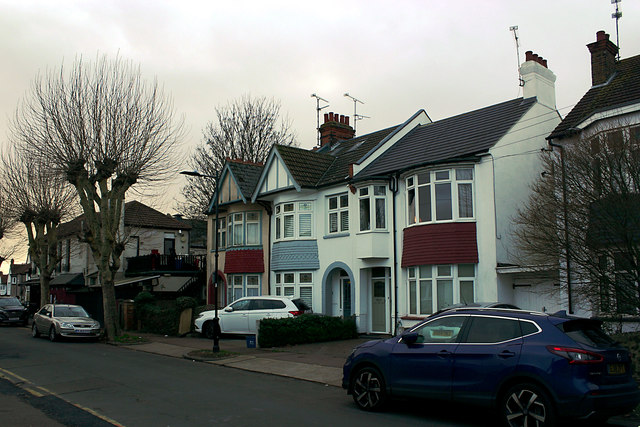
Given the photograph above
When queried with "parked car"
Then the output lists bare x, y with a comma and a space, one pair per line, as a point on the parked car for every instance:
13, 312
533, 367
240, 316
64, 320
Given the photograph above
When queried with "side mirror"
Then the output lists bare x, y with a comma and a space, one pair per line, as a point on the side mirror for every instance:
409, 338
228, 309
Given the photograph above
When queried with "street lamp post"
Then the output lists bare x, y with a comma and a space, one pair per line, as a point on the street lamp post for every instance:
216, 319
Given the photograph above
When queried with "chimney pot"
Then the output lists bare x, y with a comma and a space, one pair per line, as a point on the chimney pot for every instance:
346, 120
544, 63
326, 117
601, 35
603, 58
335, 128
528, 55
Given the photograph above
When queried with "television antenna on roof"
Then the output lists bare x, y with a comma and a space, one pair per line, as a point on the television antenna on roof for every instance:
514, 29
356, 116
617, 15
318, 109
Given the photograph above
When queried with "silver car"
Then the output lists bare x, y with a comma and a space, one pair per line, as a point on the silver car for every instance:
64, 320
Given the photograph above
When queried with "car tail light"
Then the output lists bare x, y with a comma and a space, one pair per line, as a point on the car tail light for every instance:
576, 355
296, 312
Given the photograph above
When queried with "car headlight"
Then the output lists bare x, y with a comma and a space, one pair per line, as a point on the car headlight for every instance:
66, 325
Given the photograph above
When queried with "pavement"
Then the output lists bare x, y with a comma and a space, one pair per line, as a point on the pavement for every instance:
317, 362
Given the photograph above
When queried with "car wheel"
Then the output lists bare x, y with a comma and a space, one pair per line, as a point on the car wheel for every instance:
369, 390
527, 405
207, 330
52, 334
34, 331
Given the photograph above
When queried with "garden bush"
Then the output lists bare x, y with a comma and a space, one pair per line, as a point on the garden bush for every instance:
307, 328
160, 317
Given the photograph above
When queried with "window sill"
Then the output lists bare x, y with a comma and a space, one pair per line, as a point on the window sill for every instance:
385, 231
336, 235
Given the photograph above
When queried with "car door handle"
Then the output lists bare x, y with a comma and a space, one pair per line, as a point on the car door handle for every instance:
444, 353
506, 353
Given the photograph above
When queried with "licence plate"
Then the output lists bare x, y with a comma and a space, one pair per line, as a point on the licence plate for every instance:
616, 369
14, 318
83, 331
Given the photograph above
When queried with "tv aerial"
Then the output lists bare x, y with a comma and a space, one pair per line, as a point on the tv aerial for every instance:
318, 109
617, 15
356, 116
514, 29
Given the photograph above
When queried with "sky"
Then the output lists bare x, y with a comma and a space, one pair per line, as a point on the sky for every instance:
396, 57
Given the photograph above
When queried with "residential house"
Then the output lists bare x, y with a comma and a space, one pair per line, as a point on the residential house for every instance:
19, 275
396, 224
609, 110
242, 234
4, 280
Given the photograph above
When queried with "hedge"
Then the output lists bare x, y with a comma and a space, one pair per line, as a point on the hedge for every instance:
160, 317
304, 329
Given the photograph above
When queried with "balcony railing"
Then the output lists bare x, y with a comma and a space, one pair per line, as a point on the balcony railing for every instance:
166, 264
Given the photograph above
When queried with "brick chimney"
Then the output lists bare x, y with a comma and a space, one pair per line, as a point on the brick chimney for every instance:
334, 128
539, 80
603, 58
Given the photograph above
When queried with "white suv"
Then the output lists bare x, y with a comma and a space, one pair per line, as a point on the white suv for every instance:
240, 316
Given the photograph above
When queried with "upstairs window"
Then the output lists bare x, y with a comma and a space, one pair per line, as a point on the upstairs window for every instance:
338, 210
243, 229
293, 220
440, 195
373, 207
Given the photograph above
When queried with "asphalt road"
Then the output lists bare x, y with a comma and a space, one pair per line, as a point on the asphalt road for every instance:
95, 384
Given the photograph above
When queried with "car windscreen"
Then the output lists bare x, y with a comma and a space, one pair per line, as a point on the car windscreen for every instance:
301, 304
588, 332
7, 302
69, 312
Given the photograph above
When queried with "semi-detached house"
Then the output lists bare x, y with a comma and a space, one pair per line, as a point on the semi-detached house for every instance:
391, 226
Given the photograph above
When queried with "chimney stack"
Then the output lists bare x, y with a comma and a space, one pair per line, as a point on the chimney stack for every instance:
539, 80
603, 58
335, 127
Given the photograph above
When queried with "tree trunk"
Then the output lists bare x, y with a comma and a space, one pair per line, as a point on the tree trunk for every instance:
111, 323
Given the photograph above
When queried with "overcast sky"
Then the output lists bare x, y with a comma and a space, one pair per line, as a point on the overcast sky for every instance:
446, 57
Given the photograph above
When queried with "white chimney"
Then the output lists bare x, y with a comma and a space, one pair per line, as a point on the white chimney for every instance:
539, 81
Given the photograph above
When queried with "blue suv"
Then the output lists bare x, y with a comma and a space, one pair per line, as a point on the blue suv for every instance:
532, 367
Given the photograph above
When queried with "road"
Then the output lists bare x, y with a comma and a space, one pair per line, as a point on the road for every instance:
95, 384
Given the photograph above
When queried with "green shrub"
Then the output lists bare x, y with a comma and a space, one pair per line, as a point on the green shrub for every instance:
307, 328
160, 317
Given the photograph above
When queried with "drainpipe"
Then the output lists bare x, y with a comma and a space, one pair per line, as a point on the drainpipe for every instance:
393, 184
565, 213
267, 207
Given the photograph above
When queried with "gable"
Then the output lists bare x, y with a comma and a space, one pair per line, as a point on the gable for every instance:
275, 176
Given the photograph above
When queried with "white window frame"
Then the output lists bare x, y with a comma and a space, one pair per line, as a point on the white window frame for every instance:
434, 279
221, 234
426, 184
340, 212
371, 196
294, 213
295, 284
238, 222
239, 286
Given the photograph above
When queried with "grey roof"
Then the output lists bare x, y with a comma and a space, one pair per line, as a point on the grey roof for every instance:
246, 175
452, 138
306, 167
623, 89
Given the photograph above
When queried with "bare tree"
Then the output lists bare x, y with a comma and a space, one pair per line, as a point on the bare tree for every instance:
245, 129
584, 217
104, 129
6, 223
40, 200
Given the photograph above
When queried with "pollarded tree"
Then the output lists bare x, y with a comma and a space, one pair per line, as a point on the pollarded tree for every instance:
40, 200
584, 216
6, 223
244, 129
104, 129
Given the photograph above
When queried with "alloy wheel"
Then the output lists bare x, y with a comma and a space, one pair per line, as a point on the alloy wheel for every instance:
528, 406
368, 389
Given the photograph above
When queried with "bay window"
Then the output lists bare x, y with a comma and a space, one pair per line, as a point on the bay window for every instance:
440, 195
434, 287
293, 220
243, 229
242, 285
295, 285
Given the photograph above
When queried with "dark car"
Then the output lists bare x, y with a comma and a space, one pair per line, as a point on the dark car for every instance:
13, 312
533, 367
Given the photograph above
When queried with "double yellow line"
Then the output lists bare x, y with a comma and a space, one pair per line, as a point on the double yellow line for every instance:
38, 391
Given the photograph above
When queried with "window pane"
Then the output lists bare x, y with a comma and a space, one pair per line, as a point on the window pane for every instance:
253, 216
365, 215
379, 190
277, 228
444, 270
412, 272
253, 233
333, 222
442, 330
304, 206
306, 294
344, 201
289, 291
364, 191
305, 225
238, 238
411, 209
492, 330
410, 182
252, 292
466, 291
344, 221
465, 201
426, 298
442, 175
424, 178
288, 226
333, 202
443, 201
305, 277
288, 207
425, 272
445, 293
288, 278
413, 297
424, 198
466, 270
464, 174
380, 214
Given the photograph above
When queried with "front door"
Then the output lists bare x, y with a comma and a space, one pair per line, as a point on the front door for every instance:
345, 289
379, 306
